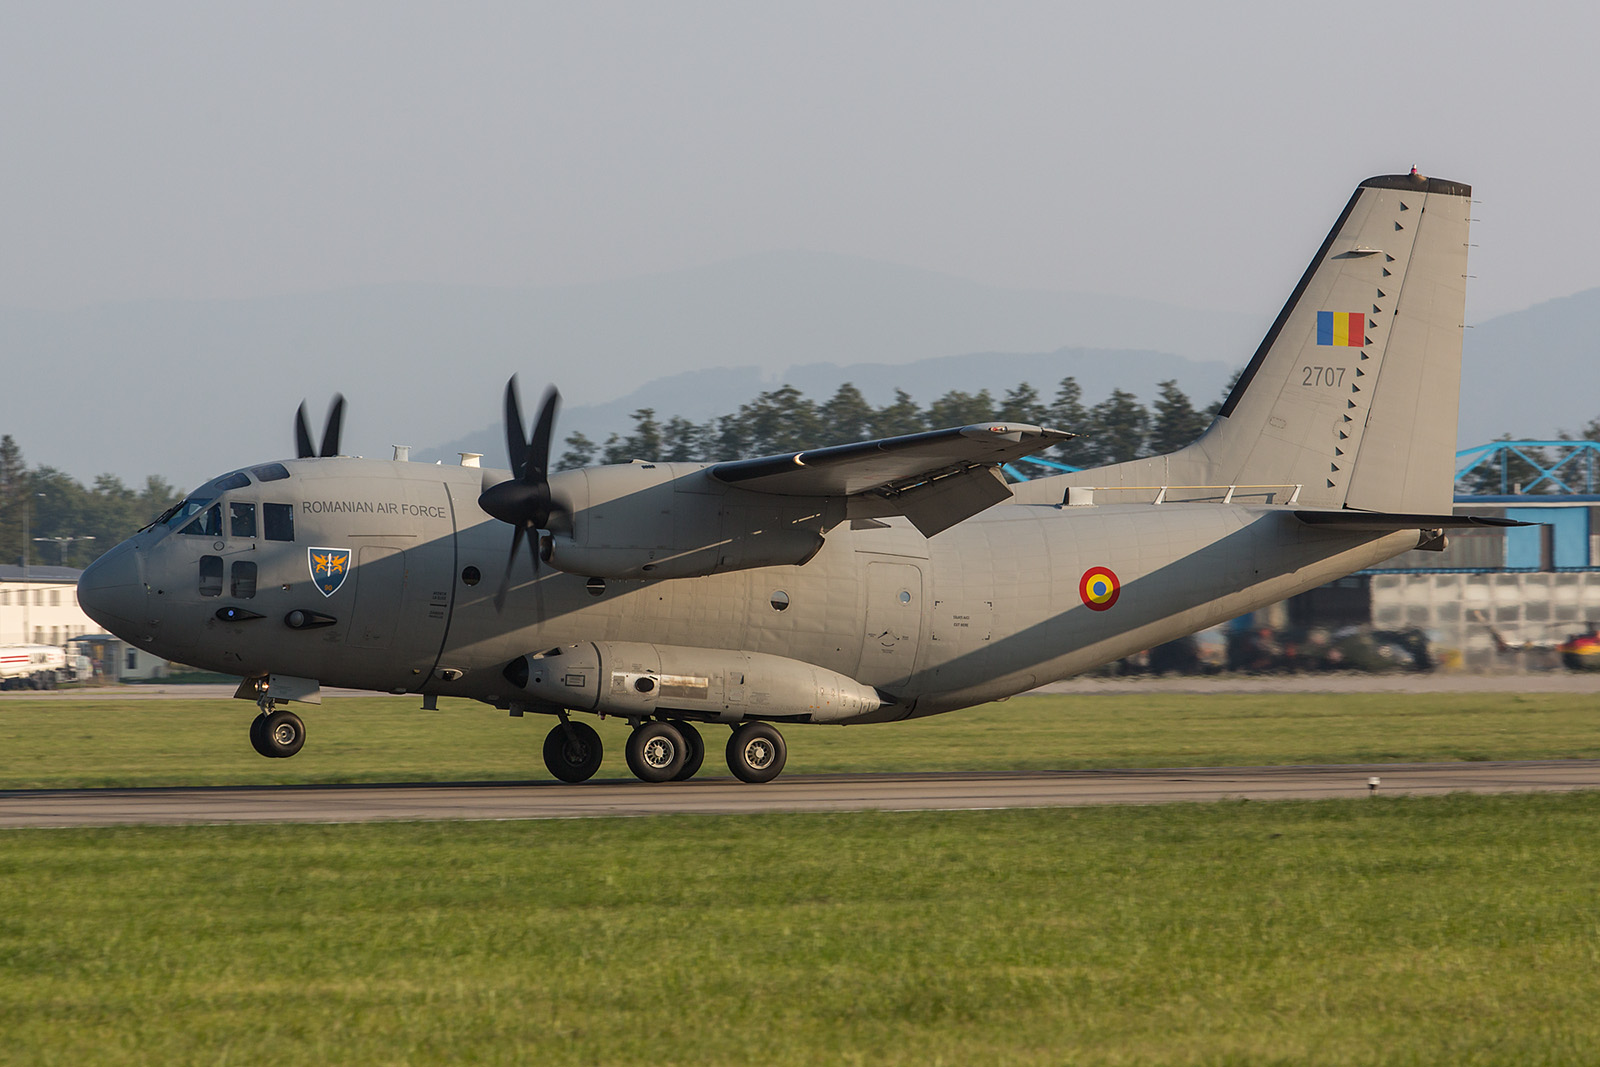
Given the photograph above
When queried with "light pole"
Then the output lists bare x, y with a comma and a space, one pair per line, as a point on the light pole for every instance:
27, 591
63, 542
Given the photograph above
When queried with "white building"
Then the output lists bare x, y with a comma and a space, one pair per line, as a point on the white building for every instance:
40, 607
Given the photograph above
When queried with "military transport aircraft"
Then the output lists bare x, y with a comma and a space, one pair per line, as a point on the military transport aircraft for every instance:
859, 583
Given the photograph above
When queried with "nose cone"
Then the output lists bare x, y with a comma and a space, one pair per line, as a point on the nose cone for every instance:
112, 593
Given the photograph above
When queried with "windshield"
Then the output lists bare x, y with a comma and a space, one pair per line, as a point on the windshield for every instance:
196, 502
186, 511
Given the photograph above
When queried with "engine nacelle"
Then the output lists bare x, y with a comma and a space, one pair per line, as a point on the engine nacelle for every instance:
672, 520
633, 679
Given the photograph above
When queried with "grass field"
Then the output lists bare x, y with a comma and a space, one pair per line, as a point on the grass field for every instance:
65, 742
1457, 930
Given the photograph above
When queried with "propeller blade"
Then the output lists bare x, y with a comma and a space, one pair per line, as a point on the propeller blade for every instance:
523, 501
516, 445
302, 434
330, 432
539, 457
505, 579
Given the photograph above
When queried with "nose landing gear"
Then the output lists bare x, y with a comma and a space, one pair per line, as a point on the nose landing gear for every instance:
277, 734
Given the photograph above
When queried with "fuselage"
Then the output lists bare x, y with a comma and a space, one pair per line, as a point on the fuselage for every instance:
382, 576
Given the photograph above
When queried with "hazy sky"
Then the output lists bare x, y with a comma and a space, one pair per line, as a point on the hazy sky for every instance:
1193, 153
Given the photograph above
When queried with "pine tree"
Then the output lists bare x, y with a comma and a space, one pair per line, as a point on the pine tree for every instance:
643, 443
957, 408
846, 418
1024, 405
901, 417
1067, 413
580, 452
1121, 425
1176, 422
13, 478
680, 440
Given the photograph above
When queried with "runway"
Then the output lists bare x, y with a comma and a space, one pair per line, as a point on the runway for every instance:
799, 793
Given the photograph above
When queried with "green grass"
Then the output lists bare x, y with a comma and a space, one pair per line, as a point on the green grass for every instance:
69, 742
1456, 930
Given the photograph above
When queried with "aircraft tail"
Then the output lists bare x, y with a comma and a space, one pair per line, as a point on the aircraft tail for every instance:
1354, 393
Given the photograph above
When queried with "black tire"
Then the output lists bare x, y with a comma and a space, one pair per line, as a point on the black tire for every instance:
756, 753
694, 754
656, 751
283, 734
573, 762
258, 735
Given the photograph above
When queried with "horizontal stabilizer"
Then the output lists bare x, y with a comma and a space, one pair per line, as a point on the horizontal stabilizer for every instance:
1379, 522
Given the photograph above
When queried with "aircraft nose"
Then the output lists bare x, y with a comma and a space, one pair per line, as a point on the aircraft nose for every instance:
113, 594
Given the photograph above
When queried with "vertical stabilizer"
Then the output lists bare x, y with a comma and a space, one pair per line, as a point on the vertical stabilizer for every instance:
1353, 394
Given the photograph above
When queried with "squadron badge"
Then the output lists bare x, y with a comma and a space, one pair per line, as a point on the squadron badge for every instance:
329, 567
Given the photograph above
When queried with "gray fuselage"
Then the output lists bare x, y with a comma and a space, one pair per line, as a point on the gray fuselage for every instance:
991, 607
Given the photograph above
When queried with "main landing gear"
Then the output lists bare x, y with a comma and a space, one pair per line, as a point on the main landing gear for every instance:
661, 750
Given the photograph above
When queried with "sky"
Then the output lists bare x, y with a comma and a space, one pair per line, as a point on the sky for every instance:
1192, 154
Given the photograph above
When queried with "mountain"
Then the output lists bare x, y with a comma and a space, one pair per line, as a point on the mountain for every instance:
186, 389
1532, 373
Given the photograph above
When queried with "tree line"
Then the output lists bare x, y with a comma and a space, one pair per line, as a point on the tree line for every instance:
62, 522
1117, 428
57, 521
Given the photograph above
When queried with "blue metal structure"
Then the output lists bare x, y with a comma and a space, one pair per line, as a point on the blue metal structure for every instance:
1559, 467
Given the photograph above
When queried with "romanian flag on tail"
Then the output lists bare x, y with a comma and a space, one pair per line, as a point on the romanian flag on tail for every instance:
1342, 328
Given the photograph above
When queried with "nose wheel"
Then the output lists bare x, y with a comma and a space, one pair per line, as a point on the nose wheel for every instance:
277, 734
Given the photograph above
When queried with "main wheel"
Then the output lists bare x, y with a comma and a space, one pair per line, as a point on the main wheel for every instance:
756, 753
283, 734
258, 735
694, 750
656, 751
573, 757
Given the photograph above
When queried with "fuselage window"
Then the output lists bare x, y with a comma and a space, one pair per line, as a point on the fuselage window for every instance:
210, 575
277, 521
244, 580
241, 519
209, 524
270, 472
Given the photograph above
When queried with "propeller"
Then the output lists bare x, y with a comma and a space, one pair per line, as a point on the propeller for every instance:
330, 431
524, 501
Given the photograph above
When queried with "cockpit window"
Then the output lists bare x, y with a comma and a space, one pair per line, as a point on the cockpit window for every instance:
241, 519
236, 480
277, 521
270, 472
208, 524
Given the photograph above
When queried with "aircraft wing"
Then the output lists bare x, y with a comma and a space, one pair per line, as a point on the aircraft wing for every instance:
936, 479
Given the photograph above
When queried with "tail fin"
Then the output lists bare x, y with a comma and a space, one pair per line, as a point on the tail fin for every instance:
1353, 394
